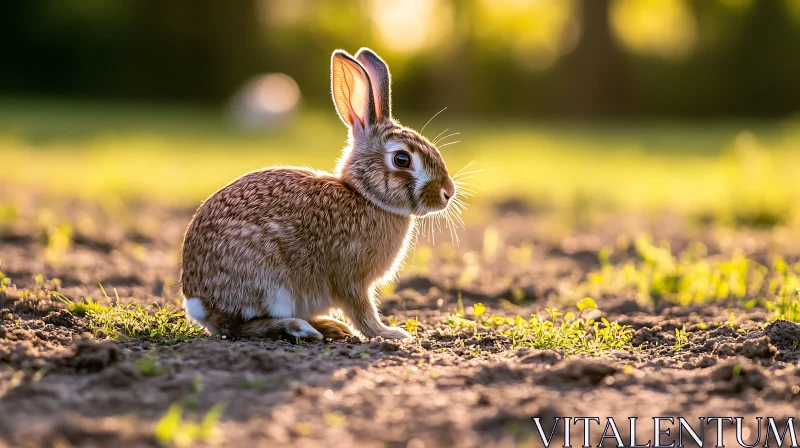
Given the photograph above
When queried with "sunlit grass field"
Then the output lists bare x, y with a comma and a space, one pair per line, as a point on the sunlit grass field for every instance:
594, 254
733, 172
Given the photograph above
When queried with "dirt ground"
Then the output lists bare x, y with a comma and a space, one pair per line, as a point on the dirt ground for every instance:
62, 385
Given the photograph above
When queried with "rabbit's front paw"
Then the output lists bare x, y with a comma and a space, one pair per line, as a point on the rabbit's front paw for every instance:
395, 333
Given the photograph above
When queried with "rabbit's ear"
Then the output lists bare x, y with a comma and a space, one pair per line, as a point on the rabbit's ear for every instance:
381, 80
351, 90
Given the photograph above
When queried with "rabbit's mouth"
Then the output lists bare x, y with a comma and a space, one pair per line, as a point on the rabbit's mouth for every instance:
425, 211
435, 198
439, 208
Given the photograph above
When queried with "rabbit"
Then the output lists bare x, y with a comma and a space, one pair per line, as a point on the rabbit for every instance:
274, 252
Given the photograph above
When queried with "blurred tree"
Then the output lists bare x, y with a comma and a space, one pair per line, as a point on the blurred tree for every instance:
765, 61
595, 78
195, 50
587, 58
201, 49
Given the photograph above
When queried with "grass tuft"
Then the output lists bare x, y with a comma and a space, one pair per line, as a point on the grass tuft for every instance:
691, 277
569, 332
155, 322
174, 429
786, 305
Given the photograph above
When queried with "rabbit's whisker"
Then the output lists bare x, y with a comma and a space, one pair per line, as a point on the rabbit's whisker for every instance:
466, 191
427, 229
458, 199
459, 206
460, 203
455, 216
453, 235
450, 217
439, 135
431, 119
462, 174
451, 143
465, 167
461, 182
446, 137
463, 178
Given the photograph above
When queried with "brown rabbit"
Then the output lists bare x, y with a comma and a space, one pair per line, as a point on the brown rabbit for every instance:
277, 250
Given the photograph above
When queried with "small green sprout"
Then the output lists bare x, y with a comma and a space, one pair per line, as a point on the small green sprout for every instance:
334, 418
460, 309
303, 429
254, 383
681, 338
586, 304
174, 429
149, 365
412, 326
59, 241
553, 313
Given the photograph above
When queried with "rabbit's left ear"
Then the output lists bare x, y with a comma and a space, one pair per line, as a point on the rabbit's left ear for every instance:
352, 93
381, 81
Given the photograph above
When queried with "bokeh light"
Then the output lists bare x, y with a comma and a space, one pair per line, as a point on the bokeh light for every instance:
265, 100
662, 27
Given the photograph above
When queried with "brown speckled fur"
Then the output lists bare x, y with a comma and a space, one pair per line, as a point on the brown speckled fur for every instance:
280, 248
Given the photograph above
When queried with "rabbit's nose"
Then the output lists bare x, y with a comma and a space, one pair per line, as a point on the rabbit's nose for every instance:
448, 190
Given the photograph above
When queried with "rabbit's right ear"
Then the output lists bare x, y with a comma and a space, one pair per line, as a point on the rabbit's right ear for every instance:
351, 89
381, 81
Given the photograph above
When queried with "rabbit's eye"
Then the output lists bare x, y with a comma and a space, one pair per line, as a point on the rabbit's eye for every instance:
402, 159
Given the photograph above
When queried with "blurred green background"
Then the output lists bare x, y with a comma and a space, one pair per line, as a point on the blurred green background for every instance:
686, 105
514, 58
